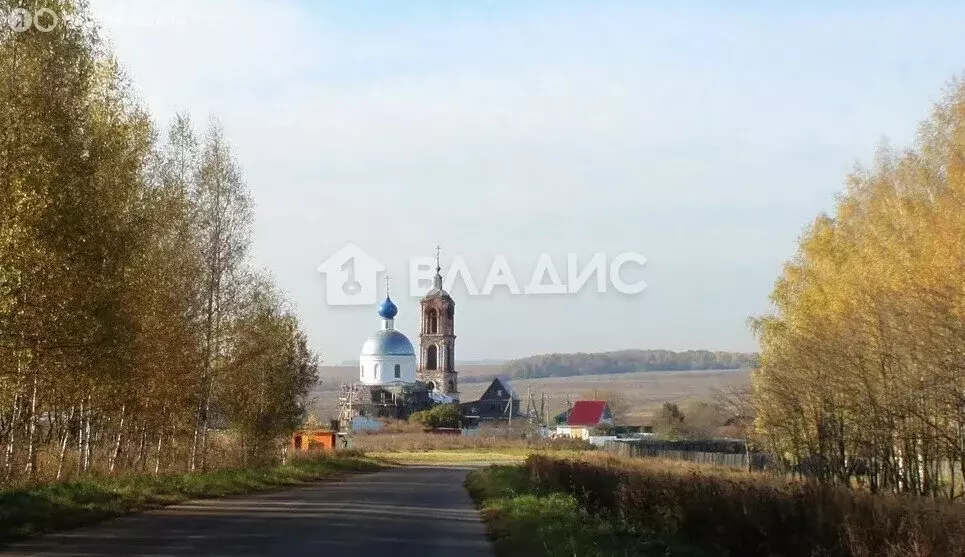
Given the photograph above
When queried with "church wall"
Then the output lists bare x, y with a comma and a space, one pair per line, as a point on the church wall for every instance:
386, 369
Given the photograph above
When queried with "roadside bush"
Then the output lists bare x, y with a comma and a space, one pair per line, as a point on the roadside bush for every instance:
443, 415
735, 513
526, 521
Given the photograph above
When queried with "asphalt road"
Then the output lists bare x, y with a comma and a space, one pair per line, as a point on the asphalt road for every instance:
401, 512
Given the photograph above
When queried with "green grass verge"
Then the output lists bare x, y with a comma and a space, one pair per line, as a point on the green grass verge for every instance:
46, 508
524, 520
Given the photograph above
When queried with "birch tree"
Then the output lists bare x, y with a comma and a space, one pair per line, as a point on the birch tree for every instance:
223, 208
127, 313
863, 355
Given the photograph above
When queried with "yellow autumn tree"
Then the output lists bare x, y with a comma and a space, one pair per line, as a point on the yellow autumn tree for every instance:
863, 356
129, 327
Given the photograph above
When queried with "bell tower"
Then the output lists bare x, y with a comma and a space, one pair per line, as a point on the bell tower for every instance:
437, 339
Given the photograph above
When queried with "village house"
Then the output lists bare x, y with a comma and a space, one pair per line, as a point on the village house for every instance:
498, 405
585, 418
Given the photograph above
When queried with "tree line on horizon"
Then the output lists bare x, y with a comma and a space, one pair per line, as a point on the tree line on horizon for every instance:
863, 357
625, 361
132, 322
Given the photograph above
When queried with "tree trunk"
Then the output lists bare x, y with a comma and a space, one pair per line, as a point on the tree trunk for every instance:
157, 459
112, 461
951, 478
63, 444
11, 437
31, 467
204, 434
87, 433
80, 438
84, 441
141, 460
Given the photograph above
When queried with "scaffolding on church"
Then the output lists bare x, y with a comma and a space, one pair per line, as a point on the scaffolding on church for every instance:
380, 401
350, 395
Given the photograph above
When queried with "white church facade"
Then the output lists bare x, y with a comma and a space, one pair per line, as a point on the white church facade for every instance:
388, 358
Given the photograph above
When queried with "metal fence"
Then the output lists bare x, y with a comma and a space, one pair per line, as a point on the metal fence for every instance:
732, 454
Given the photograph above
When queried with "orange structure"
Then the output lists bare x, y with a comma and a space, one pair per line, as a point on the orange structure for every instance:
311, 439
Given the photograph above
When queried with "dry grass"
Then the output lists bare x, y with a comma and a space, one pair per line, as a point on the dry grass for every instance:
420, 442
739, 513
494, 456
498, 446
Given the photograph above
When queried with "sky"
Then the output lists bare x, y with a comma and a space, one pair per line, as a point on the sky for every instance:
703, 138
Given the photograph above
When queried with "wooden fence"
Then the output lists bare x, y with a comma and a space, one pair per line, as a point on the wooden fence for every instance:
732, 454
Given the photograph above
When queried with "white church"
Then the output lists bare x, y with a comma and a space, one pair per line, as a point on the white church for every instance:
395, 380
388, 359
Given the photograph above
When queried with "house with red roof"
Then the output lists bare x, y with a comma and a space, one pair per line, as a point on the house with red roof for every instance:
584, 418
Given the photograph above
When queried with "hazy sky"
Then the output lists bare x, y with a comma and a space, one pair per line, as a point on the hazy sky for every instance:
703, 137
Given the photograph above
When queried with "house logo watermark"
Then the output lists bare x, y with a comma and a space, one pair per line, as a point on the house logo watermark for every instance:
351, 276
21, 20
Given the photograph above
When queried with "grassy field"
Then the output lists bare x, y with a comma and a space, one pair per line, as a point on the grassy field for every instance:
490, 439
427, 448
495, 455
643, 392
34, 510
526, 520
451, 456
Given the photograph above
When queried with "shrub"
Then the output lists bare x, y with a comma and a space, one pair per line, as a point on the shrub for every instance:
524, 520
443, 415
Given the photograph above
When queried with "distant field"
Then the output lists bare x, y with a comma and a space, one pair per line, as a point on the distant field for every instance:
643, 391
331, 376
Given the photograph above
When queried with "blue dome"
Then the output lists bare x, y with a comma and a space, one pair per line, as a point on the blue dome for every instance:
388, 343
387, 309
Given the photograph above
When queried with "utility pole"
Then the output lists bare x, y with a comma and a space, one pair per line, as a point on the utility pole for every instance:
529, 398
535, 417
542, 409
509, 408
